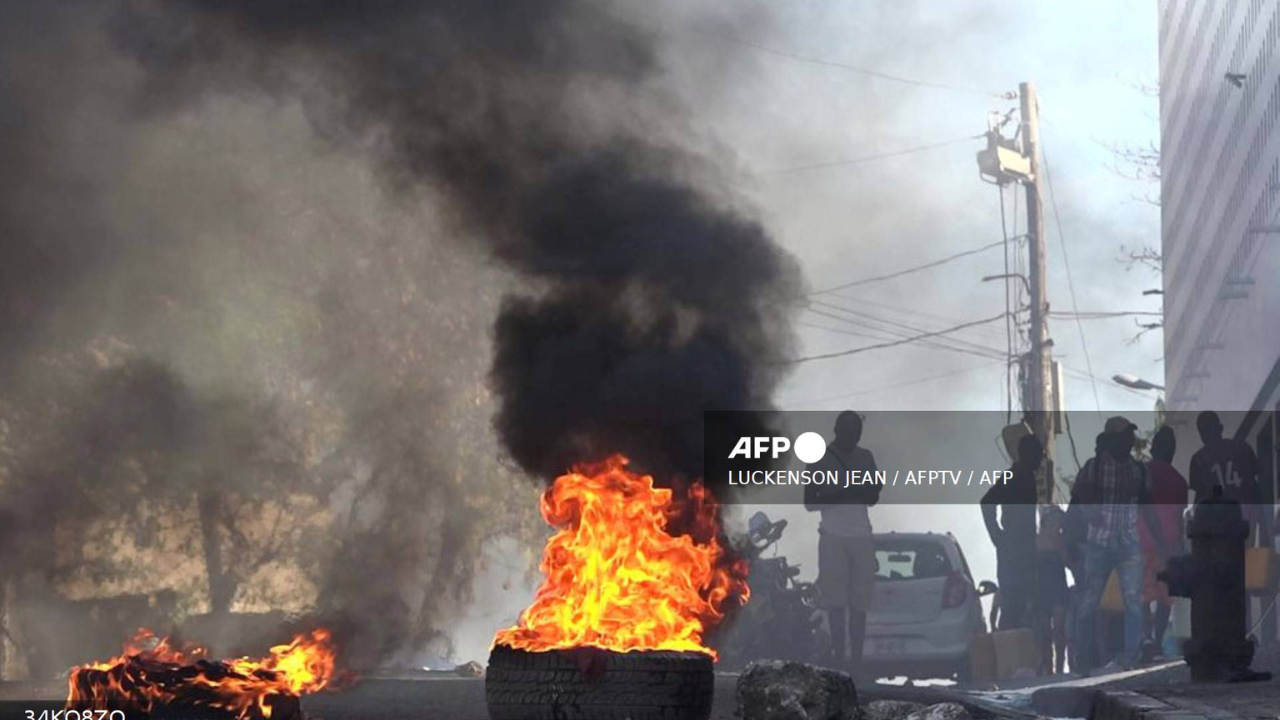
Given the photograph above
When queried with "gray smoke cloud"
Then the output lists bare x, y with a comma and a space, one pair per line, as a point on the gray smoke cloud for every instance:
280, 216
654, 300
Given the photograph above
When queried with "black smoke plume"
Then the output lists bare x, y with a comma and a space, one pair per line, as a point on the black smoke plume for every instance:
655, 299
535, 130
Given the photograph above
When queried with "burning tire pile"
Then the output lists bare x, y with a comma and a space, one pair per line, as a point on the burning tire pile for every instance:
598, 685
616, 630
152, 678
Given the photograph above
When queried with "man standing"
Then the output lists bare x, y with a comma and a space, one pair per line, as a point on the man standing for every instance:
1052, 595
1015, 534
846, 551
1113, 487
1169, 498
1230, 464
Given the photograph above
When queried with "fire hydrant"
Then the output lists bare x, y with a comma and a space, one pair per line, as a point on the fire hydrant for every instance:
1213, 577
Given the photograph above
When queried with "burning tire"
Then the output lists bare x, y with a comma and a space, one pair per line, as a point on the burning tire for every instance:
591, 684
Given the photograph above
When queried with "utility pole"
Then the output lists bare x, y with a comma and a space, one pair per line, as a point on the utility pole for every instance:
1006, 161
1039, 405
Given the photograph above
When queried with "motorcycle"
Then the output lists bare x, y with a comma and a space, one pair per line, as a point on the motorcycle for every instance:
781, 621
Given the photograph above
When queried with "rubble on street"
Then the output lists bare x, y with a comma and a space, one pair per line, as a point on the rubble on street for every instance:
777, 690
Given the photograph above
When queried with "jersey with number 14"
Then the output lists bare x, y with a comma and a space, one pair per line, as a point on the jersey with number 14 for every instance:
1229, 463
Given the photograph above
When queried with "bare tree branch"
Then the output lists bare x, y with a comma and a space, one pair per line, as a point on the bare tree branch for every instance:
1145, 256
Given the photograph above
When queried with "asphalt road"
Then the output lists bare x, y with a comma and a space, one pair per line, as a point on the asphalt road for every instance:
444, 698
429, 698
454, 698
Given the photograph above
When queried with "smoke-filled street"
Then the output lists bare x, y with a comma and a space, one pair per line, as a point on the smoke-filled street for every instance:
676, 360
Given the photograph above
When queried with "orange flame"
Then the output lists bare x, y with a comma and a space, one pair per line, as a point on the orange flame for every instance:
616, 578
151, 673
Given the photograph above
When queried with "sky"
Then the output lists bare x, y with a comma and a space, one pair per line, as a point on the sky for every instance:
1089, 62
811, 113
764, 86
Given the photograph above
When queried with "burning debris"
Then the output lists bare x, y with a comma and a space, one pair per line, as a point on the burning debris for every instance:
634, 580
644, 292
617, 576
151, 676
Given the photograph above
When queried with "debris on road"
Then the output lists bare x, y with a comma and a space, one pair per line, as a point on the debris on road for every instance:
890, 709
941, 711
777, 690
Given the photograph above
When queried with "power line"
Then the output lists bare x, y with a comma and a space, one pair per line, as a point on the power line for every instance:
990, 353
1071, 285
1008, 323
899, 329
1103, 314
869, 391
759, 47
857, 315
904, 341
966, 347
861, 301
1066, 416
865, 158
915, 322
840, 330
907, 271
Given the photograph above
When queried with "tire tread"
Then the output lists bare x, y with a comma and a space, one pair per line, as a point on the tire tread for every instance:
522, 685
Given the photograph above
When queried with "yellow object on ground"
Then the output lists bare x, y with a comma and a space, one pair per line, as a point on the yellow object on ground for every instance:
1015, 651
1000, 655
1259, 563
1112, 597
982, 658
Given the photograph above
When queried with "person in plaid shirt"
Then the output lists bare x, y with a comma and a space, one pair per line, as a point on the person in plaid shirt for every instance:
1113, 488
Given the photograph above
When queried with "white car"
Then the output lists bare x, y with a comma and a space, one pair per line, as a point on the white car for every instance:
924, 610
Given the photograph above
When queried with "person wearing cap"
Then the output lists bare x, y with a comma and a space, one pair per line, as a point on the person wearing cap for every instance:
1075, 530
1112, 488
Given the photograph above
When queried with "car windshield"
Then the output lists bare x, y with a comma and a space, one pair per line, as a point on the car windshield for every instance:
910, 560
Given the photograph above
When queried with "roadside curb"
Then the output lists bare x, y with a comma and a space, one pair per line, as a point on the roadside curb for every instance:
1126, 705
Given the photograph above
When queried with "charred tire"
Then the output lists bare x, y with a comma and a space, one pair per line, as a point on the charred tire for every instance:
590, 684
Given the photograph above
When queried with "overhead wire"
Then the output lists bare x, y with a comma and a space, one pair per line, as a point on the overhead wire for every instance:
860, 315
907, 271
1066, 416
903, 341
824, 62
1071, 285
1008, 322
1009, 316
971, 341
864, 330
865, 158
899, 329
908, 311
934, 344
841, 331
1103, 314
892, 386
931, 343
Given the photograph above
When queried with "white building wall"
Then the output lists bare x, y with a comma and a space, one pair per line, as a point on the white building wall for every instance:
1220, 202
